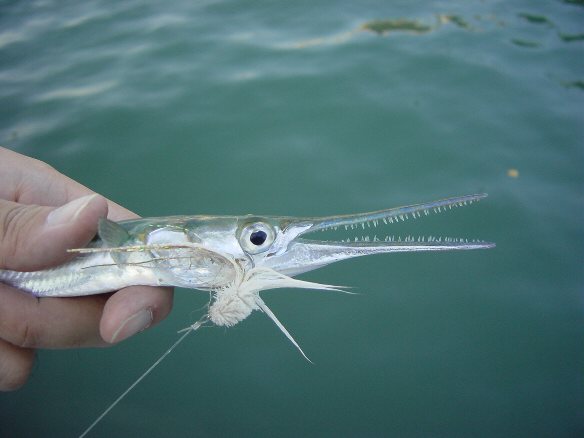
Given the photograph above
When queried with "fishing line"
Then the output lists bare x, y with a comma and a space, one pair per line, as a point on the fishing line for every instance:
154, 365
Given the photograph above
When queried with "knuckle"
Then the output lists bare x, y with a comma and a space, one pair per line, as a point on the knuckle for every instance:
25, 330
27, 335
10, 235
15, 226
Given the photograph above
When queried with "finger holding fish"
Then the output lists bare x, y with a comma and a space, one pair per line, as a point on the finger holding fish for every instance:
43, 213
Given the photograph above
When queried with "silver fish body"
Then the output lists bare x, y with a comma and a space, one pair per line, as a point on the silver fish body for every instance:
211, 252
150, 252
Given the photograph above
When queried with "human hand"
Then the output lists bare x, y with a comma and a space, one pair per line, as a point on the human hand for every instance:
42, 214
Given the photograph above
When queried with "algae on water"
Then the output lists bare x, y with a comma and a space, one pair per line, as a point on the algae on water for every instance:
568, 38
383, 27
525, 43
535, 19
454, 19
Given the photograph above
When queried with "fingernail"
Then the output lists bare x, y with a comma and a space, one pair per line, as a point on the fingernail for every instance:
136, 323
69, 212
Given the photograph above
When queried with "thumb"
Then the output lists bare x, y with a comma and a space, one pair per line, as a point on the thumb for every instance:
34, 237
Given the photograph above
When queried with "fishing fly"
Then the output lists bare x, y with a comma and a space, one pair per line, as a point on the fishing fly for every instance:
233, 258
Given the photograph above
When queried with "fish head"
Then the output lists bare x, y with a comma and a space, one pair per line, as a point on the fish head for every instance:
287, 245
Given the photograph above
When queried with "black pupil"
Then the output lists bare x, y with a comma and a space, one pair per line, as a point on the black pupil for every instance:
258, 237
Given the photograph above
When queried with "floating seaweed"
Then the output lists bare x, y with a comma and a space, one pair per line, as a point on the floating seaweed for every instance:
525, 43
575, 2
535, 19
569, 38
574, 84
454, 19
384, 27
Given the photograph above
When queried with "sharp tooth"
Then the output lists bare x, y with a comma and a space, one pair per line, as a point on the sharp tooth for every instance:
385, 221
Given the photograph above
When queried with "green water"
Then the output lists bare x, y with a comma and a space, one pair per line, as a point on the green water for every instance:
227, 107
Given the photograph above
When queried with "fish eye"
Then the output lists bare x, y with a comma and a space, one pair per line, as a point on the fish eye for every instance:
256, 237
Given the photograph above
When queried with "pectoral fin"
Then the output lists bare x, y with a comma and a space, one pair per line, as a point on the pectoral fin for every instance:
113, 235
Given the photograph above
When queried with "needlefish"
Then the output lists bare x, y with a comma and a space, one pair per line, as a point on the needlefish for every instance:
233, 258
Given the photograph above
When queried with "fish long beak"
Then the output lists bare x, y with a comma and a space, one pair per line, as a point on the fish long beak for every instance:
303, 255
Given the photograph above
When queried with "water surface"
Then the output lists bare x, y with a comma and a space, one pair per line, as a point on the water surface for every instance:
310, 108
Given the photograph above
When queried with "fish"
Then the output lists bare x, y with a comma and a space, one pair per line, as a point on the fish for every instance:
233, 258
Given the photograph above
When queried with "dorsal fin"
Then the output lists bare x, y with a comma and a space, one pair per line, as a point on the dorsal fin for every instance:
113, 235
